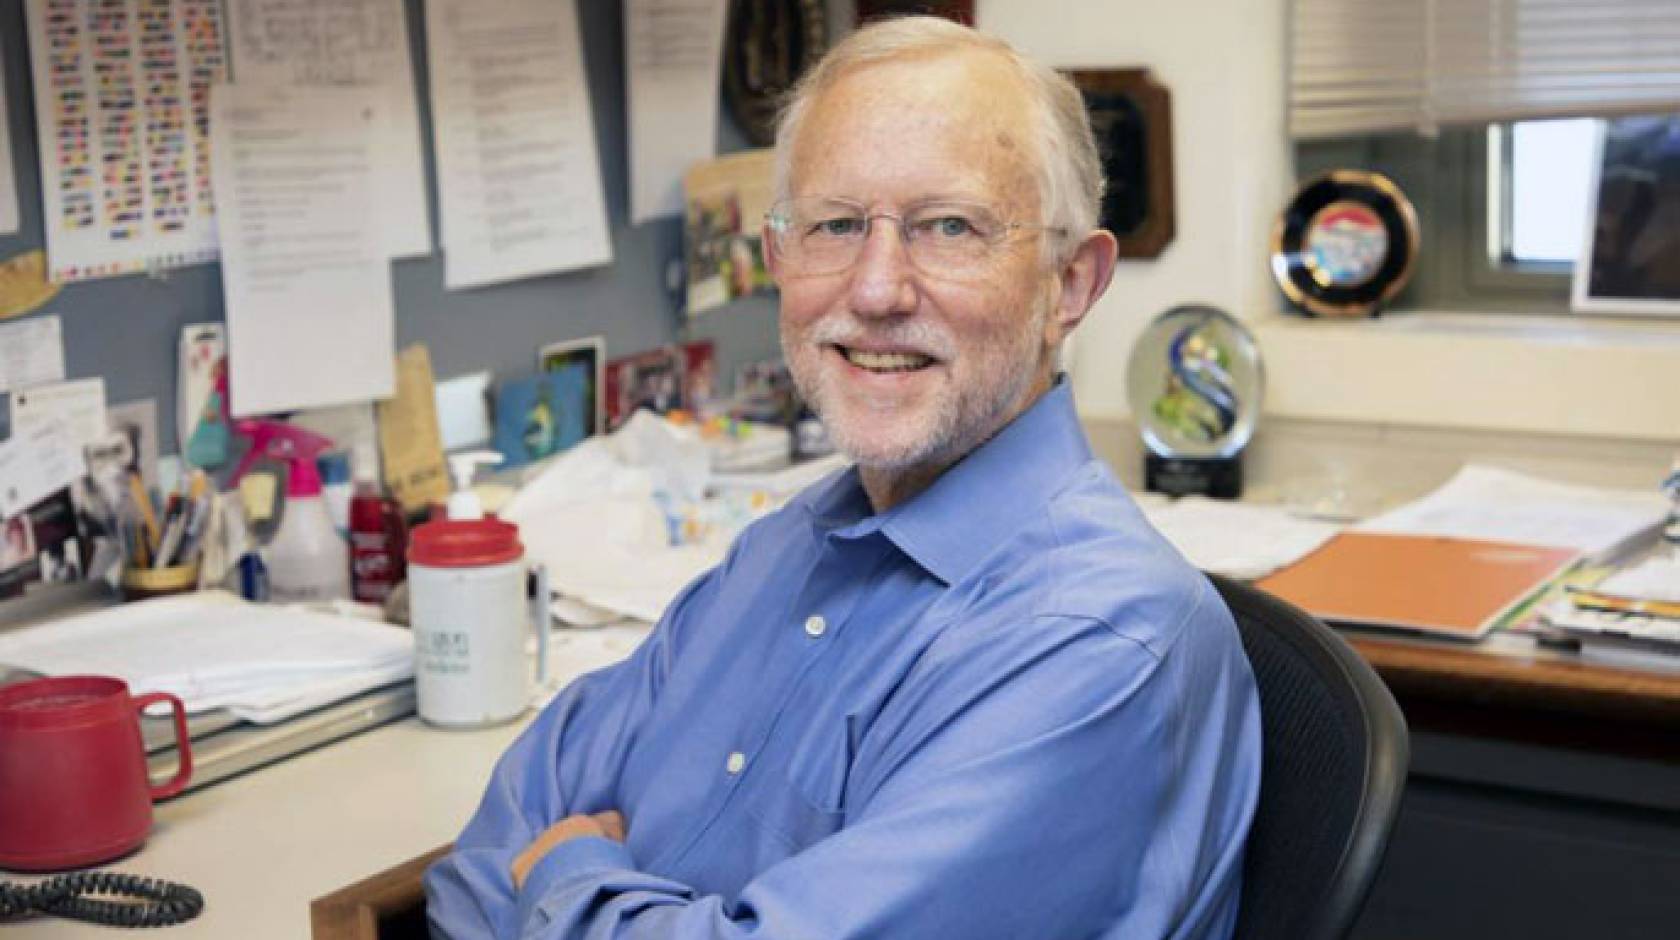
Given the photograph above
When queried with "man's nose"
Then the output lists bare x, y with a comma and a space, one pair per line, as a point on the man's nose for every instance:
883, 283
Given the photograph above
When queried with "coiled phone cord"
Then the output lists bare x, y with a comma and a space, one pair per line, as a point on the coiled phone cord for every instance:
157, 903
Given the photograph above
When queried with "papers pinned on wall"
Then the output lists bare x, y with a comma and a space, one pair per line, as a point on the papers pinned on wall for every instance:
31, 352
723, 230
519, 182
8, 173
121, 113
673, 51
347, 43
306, 277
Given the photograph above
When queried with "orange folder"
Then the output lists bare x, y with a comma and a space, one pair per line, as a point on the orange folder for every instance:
1460, 588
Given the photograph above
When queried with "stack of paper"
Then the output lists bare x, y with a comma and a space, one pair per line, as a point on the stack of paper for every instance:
1490, 503
262, 663
1238, 540
1634, 611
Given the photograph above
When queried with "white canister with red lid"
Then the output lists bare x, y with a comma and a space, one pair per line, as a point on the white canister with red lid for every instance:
472, 611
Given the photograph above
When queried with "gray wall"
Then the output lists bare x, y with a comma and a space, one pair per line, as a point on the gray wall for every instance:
126, 328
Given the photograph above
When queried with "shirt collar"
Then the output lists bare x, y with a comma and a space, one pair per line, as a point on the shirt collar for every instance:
953, 524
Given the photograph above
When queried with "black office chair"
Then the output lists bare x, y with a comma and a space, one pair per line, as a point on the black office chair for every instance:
1333, 767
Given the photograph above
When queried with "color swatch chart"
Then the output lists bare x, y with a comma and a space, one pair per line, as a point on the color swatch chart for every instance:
121, 102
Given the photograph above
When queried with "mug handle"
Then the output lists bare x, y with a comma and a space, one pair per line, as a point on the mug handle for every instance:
183, 746
540, 600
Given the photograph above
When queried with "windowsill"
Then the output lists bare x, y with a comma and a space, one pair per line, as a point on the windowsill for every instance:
1567, 375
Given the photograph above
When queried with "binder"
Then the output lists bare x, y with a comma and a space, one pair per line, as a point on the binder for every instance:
1440, 585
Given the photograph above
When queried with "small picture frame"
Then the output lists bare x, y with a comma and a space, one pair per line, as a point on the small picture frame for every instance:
1627, 265
1131, 116
588, 355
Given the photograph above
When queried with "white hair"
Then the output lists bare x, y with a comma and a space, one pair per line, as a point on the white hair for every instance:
1070, 177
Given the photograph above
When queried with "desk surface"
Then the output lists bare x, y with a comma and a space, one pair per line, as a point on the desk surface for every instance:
263, 845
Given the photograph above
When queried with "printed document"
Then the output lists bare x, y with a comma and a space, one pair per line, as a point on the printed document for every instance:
346, 43
121, 92
519, 183
305, 272
673, 50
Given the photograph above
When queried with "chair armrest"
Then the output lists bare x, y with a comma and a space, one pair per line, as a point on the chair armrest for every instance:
390, 905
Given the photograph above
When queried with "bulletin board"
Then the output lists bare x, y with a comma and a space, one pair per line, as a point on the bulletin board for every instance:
126, 328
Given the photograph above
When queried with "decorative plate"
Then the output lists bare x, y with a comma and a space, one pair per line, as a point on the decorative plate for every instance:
1346, 244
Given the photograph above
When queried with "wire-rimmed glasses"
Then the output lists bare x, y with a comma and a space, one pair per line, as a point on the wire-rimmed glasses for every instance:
945, 238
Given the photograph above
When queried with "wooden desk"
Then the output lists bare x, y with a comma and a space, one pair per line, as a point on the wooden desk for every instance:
1543, 800
1509, 687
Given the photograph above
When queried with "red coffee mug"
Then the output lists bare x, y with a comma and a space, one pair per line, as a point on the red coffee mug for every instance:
73, 784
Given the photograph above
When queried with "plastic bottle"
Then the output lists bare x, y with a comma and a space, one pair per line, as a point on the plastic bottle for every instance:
306, 559
378, 534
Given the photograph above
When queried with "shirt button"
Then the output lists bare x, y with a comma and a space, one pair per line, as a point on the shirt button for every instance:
736, 761
815, 626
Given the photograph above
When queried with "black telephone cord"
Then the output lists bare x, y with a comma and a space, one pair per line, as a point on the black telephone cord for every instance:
156, 903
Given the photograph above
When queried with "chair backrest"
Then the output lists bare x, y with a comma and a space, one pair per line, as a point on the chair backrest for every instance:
1333, 767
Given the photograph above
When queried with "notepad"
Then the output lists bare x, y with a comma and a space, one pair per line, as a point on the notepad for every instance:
1452, 587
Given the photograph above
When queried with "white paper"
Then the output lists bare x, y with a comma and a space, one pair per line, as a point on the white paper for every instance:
519, 181
346, 43
304, 272
1655, 579
31, 352
120, 114
214, 651
79, 406
8, 173
34, 464
1238, 540
673, 50
463, 410
1482, 502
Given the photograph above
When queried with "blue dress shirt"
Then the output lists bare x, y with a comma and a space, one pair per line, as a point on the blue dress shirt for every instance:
1004, 708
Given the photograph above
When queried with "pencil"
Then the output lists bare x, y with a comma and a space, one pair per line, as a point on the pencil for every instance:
143, 501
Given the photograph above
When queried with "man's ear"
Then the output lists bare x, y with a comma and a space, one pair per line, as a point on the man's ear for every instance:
1083, 278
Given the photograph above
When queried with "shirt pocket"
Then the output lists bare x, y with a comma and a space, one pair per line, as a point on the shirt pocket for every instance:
788, 814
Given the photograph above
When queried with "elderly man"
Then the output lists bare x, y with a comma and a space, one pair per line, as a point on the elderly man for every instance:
961, 690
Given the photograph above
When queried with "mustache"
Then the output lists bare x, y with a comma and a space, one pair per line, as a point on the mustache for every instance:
917, 335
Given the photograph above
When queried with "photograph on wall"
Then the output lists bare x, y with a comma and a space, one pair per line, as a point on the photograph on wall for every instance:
1633, 231
726, 200
586, 359
650, 379
541, 415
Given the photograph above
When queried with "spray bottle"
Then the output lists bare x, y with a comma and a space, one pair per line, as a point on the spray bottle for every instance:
306, 558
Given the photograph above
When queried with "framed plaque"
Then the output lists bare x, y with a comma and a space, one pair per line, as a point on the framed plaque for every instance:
768, 45
1131, 116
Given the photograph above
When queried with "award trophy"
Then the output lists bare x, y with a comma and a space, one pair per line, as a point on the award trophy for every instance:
1194, 384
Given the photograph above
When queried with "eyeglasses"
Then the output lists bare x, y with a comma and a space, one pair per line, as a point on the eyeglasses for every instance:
822, 235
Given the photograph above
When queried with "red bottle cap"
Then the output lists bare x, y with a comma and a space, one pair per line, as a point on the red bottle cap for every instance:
464, 543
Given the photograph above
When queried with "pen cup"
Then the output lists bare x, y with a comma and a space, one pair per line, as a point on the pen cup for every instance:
141, 583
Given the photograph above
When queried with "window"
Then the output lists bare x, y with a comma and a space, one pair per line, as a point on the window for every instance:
1540, 177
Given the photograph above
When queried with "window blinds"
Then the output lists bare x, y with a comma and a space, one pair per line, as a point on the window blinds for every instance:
1361, 66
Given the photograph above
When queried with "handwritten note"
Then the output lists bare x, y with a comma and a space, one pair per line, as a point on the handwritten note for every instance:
519, 183
78, 406
305, 273
673, 49
346, 43
31, 352
35, 463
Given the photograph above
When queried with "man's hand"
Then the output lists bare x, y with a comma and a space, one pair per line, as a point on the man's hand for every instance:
607, 825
